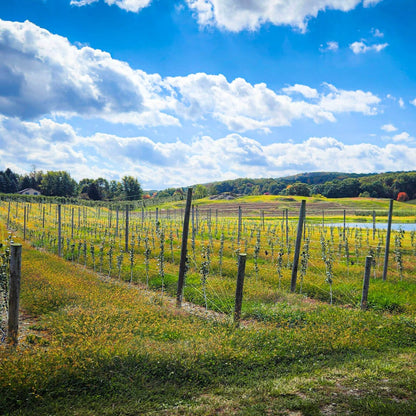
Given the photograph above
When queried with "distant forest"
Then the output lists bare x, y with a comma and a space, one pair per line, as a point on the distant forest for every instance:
393, 185
328, 184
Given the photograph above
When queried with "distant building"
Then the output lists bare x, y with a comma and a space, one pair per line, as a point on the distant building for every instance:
29, 191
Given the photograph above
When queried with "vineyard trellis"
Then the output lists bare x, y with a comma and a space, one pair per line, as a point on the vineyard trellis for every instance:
143, 246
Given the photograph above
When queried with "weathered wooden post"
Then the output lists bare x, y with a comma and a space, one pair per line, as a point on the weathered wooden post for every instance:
14, 292
386, 253
184, 250
239, 225
374, 225
239, 288
24, 223
116, 234
287, 226
8, 216
126, 245
366, 282
297, 246
343, 232
72, 222
59, 230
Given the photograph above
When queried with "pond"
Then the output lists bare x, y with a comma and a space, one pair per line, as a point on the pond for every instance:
379, 225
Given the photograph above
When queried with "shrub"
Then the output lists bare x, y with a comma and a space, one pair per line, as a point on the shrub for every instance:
402, 197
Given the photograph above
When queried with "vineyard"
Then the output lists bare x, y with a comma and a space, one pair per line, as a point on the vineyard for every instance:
144, 248
140, 247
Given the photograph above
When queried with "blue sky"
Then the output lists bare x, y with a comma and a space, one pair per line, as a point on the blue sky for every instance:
181, 92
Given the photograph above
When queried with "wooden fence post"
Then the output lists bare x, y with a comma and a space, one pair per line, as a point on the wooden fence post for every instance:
59, 230
239, 225
116, 233
24, 223
14, 292
366, 282
287, 226
8, 216
343, 232
184, 250
127, 230
239, 288
297, 246
72, 222
386, 253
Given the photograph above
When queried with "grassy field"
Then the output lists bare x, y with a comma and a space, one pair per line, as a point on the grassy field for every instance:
92, 343
274, 204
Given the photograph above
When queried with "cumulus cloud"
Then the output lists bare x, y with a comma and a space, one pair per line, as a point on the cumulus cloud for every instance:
362, 47
128, 5
237, 15
242, 106
389, 128
403, 137
413, 102
306, 91
42, 143
181, 163
42, 74
339, 101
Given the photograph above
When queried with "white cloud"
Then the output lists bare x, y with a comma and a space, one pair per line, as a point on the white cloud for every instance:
401, 102
413, 102
403, 137
306, 91
179, 163
376, 33
128, 5
339, 101
330, 46
242, 106
237, 15
389, 128
361, 47
42, 74
369, 3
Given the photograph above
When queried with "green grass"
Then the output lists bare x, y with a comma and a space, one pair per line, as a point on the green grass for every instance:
99, 346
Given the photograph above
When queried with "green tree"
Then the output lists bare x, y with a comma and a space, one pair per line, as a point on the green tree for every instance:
93, 192
299, 189
115, 190
58, 183
200, 192
131, 187
103, 187
9, 181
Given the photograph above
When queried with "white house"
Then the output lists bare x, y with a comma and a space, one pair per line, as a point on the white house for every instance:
29, 191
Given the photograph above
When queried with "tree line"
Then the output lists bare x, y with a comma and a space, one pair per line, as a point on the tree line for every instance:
328, 184
60, 183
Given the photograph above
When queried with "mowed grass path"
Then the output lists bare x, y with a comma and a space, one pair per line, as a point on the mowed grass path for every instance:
100, 347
